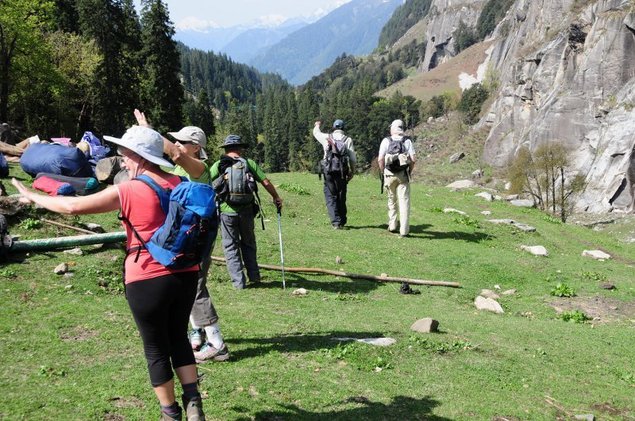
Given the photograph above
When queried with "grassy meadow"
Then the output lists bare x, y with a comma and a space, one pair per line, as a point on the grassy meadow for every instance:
69, 349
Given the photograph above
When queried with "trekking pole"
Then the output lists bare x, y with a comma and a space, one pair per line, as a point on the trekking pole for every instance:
279, 209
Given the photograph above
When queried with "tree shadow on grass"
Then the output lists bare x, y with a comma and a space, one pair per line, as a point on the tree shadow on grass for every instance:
422, 231
401, 408
296, 280
470, 237
295, 342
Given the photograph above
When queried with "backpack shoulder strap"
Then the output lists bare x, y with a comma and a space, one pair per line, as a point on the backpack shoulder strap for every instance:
163, 194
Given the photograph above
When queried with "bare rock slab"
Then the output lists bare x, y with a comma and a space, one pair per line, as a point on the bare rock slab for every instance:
522, 203
488, 304
461, 184
452, 210
536, 250
596, 254
521, 226
426, 325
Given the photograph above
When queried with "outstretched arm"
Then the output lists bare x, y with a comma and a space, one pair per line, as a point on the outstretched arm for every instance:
104, 201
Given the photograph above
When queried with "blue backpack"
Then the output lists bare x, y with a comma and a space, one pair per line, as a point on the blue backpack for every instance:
189, 231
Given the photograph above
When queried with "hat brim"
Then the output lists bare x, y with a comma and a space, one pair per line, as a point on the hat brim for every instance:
154, 159
242, 145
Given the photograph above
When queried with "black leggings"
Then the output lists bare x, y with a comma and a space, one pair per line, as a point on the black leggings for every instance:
161, 308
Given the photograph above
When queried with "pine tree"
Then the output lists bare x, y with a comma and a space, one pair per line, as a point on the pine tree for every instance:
108, 22
162, 92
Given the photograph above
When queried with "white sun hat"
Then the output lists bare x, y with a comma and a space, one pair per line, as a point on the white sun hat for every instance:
145, 142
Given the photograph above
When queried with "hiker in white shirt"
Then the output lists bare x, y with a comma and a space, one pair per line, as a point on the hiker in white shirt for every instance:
396, 161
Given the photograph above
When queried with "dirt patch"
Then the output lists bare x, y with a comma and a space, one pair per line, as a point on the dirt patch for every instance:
114, 417
120, 402
78, 333
600, 309
606, 408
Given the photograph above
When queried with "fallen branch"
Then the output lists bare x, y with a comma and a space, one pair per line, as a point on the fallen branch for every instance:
354, 275
59, 224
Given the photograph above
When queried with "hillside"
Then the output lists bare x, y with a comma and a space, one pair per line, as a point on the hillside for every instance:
444, 78
352, 28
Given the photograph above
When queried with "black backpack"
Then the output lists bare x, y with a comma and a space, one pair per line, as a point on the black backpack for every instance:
396, 148
336, 158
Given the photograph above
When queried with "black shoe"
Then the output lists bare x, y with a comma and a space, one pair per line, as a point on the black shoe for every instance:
405, 289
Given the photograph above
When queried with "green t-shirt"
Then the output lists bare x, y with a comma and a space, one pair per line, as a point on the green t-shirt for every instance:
180, 171
259, 176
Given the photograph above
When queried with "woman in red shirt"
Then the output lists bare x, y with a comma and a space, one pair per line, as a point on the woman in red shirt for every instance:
160, 299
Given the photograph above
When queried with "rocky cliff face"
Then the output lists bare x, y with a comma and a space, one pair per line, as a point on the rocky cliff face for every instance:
443, 18
567, 73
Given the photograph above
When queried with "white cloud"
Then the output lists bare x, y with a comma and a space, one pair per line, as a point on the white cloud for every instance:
192, 23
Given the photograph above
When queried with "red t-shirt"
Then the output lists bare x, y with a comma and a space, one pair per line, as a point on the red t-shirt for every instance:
140, 204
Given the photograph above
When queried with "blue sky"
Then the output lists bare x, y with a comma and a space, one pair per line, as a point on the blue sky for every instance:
202, 14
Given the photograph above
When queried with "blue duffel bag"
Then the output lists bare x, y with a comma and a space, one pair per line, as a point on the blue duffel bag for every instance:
4, 166
55, 159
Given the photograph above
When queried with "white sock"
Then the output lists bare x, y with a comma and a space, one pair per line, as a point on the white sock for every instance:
194, 326
214, 336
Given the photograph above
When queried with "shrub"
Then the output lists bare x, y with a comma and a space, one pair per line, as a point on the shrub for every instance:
471, 102
574, 316
563, 290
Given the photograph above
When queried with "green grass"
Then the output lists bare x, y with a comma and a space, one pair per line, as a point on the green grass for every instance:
69, 348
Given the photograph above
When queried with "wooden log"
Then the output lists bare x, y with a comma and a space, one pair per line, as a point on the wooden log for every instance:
354, 275
59, 224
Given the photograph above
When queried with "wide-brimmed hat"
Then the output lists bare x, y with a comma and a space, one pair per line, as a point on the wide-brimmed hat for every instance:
192, 134
143, 141
233, 140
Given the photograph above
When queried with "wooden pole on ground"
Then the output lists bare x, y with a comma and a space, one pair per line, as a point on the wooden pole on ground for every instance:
354, 275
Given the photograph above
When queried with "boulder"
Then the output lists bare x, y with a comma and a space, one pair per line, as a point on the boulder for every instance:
522, 203
485, 195
596, 254
456, 157
536, 250
488, 304
426, 325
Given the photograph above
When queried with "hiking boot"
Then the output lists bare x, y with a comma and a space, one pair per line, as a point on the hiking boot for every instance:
194, 409
196, 338
166, 417
208, 352
405, 289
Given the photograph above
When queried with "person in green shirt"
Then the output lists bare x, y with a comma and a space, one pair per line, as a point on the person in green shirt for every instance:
237, 221
188, 153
